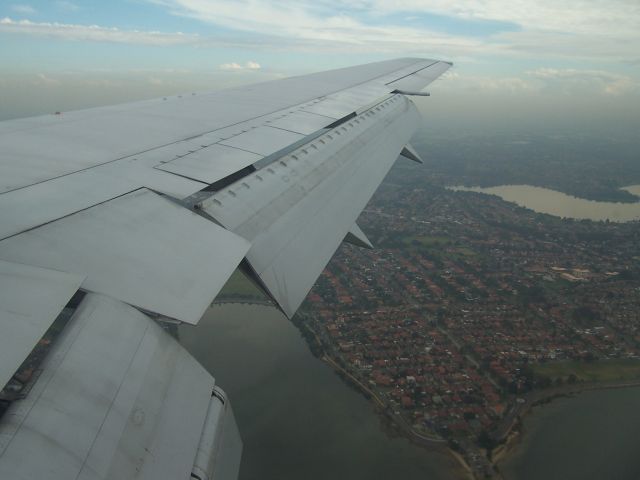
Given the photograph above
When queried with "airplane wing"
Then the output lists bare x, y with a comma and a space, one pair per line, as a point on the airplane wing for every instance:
118, 221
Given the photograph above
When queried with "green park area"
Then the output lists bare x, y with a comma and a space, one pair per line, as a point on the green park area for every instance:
596, 371
239, 287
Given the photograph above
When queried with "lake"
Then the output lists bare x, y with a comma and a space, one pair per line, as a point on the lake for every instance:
297, 418
595, 435
544, 200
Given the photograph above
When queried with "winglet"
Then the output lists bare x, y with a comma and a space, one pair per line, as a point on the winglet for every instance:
356, 237
409, 152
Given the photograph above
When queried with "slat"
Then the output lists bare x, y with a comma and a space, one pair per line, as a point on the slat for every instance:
30, 300
211, 164
139, 248
118, 398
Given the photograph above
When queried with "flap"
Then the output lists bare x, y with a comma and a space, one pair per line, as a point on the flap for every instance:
118, 398
30, 300
139, 248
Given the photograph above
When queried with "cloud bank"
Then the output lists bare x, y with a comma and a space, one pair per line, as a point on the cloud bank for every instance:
595, 29
233, 66
23, 8
95, 33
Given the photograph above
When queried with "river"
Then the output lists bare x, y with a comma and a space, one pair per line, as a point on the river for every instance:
297, 418
592, 436
544, 200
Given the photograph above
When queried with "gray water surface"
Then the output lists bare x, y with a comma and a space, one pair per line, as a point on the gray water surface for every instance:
595, 435
544, 200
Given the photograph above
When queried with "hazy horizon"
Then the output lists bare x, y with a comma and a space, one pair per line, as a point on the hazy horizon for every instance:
517, 67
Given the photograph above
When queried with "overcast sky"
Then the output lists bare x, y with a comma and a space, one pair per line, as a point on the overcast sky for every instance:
572, 54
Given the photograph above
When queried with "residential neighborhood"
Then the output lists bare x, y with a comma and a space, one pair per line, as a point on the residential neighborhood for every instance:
454, 318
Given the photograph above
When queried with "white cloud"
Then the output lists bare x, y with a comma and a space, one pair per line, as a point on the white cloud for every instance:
316, 26
24, 9
593, 17
68, 6
574, 81
44, 80
537, 44
599, 30
545, 81
233, 66
602, 29
95, 33
456, 82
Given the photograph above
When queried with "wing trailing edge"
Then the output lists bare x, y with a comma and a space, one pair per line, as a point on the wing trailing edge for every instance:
296, 211
26, 318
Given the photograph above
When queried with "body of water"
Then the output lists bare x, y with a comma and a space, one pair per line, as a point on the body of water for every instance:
593, 436
544, 200
297, 418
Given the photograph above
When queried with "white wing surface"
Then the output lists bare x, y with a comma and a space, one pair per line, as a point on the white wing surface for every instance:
129, 217
118, 398
23, 322
296, 211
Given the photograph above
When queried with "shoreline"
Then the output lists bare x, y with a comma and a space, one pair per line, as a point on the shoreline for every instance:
514, 436
434, 443
508, 442
242, 301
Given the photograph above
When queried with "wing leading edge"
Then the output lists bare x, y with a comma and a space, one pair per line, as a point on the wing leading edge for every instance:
148, 208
